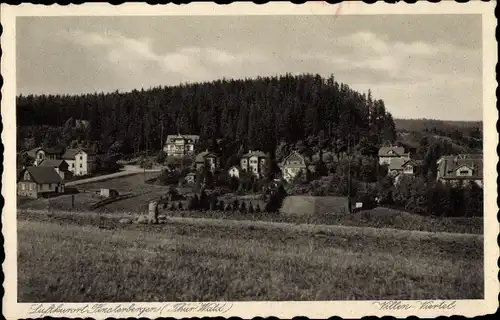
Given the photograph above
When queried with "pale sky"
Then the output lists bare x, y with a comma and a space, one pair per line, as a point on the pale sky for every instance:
422, 66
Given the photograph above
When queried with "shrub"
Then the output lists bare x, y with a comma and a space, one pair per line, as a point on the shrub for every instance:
169, 178
161, 157
194, 203
243, 207
221, 206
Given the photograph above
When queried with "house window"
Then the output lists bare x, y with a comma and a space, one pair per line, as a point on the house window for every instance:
23, 187
31, 187
72, 165
81, 157
81, 165
464, 172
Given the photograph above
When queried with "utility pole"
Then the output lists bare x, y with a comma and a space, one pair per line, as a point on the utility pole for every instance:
349, 169
161, 147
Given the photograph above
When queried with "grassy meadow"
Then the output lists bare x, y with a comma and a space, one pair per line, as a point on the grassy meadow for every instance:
77, 257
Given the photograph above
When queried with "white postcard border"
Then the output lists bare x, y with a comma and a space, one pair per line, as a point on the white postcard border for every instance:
317, 309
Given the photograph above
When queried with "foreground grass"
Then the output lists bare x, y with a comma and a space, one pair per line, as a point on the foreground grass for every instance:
72, 259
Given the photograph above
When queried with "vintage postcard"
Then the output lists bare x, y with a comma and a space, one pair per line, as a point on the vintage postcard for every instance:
249, 160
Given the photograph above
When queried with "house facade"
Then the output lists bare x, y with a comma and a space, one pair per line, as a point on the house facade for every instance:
80, 161
180, 145
208, 160
40, 154
292, 165
234, 171
34, 182
255, 162
399, 168
388, 154
61, 167
460, 169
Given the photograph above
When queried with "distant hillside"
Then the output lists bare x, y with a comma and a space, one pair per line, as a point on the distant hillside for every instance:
454, 136
420, 125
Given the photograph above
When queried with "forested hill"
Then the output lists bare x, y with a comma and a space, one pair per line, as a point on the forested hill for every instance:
422, 125
255, 113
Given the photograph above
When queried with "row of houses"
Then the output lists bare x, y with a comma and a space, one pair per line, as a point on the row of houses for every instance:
454, 169
51, 167
79, 161
255, 162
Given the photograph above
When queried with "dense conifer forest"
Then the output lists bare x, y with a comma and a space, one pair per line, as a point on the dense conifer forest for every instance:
253, 113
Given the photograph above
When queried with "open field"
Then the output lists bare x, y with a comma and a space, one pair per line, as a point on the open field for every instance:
376, 218
63, 258
132, 183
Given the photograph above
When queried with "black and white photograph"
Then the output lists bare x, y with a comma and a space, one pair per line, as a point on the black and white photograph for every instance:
190, 163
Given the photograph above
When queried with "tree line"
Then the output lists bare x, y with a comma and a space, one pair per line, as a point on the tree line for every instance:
255, 113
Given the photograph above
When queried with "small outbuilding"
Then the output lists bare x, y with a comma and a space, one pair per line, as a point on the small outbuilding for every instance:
108, 193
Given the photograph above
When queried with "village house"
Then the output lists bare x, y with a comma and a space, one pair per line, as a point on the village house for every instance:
256, 162
40, 154
402, 167
61, 167
292, 165
81, 161
208, 160
460, 169
387, 154
180, 145
234, 171
190, 178
34, 182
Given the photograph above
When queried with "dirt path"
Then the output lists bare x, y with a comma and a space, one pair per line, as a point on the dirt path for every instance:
128, 171
338, 230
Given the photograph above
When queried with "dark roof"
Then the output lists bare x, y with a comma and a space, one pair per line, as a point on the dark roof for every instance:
32, 152
385, 151
295, 156
202, 155
71, 153
52, 163
448, 166
257, 153
42, 174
